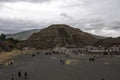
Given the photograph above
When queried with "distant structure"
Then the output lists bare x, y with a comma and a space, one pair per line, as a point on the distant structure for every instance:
59, 35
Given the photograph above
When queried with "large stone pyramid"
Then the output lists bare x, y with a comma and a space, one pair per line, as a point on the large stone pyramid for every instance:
60, 35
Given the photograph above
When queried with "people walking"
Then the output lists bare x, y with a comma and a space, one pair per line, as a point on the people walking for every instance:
19, 74
25, 75
12, 77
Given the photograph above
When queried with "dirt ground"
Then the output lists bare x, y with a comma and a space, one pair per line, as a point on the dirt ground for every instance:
5, 56
48, 67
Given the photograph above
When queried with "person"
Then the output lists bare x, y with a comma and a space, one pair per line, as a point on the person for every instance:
26, 75
11, 63
61, 61
89, 59
12, 77
19, 74
38, 53
93, 59
33, 55
102, 79
21, 49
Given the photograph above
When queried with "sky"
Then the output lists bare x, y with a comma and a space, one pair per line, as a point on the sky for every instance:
99, 17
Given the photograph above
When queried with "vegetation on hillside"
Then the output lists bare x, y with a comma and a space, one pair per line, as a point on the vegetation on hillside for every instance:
7, 44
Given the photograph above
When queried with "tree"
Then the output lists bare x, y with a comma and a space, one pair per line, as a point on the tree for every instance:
2, 37
13, 41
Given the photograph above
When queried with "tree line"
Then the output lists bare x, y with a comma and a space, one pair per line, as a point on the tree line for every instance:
8, 44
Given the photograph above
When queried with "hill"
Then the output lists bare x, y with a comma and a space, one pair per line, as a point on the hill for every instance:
24, 35
99, 37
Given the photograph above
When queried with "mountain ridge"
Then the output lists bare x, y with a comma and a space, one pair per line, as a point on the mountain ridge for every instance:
24, 35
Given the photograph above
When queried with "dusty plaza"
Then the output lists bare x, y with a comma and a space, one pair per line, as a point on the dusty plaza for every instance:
44, 66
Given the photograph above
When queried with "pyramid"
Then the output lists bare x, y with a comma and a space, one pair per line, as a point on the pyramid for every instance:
60, 35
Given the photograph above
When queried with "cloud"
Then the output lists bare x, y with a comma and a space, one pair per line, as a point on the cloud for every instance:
100, 17
25, 0
13, 26
94, 24
66, 16
107, 9
115, 25
100, 27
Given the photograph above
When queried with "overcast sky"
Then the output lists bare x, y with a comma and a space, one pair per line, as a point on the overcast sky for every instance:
100, 17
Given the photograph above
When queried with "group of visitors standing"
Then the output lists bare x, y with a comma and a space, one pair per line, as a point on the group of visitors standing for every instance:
20, 76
